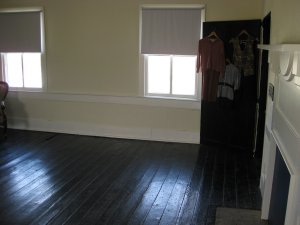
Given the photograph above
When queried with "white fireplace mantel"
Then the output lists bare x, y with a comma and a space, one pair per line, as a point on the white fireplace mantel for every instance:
284, 60
282, 128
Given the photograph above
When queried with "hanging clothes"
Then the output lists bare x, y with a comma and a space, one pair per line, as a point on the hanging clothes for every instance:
229, 83
243, 55
211, 62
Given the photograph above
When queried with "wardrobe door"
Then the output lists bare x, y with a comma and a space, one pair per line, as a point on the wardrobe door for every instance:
231, 122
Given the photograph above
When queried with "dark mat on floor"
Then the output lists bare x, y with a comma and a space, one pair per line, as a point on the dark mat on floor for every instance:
233, 216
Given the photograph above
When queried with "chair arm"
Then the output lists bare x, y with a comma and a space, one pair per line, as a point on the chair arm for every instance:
2, 105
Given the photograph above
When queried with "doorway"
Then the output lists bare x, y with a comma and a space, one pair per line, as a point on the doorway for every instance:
262, 89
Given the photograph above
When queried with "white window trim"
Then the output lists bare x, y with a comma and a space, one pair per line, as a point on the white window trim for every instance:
142, 64
43, 50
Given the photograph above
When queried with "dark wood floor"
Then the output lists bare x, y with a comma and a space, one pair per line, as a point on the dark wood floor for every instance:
48, 178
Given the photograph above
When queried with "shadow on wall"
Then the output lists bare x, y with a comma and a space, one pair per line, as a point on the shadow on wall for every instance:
17, 116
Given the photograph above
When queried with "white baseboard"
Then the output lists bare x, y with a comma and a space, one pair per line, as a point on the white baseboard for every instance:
105, 131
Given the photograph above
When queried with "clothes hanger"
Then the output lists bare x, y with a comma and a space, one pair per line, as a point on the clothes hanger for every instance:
213, 35
248, 35
228, 61
243, 36
244, 32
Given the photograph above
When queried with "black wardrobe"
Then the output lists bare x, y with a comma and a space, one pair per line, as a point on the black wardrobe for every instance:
233, 122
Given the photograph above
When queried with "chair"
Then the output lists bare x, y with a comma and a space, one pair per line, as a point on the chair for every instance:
3, 93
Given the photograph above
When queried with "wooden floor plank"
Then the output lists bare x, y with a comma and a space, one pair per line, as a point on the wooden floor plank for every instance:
12, 147
50, 178
243, 188
122, 188
152, 191
53, 189
156, 211
34, 162
123, 194
87, 172
82, 205
125, 209
40, 186
103, 196
197, 196
172, 209
229, 186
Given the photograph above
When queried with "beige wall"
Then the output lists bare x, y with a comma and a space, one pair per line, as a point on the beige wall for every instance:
92, 47
285, 16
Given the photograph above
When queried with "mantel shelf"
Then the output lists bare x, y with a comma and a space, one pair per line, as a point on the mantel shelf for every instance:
281, 47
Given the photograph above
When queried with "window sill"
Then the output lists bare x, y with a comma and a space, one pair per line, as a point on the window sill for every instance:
171, 98
14, 89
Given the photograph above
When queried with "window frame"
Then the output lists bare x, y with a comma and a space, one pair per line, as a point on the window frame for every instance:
42, 53
143, 92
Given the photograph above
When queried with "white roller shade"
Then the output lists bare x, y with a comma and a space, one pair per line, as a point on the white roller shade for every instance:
20, 31
170, 31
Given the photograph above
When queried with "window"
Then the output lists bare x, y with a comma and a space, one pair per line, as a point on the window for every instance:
21, 47
22, 70
171, 76
169, 42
